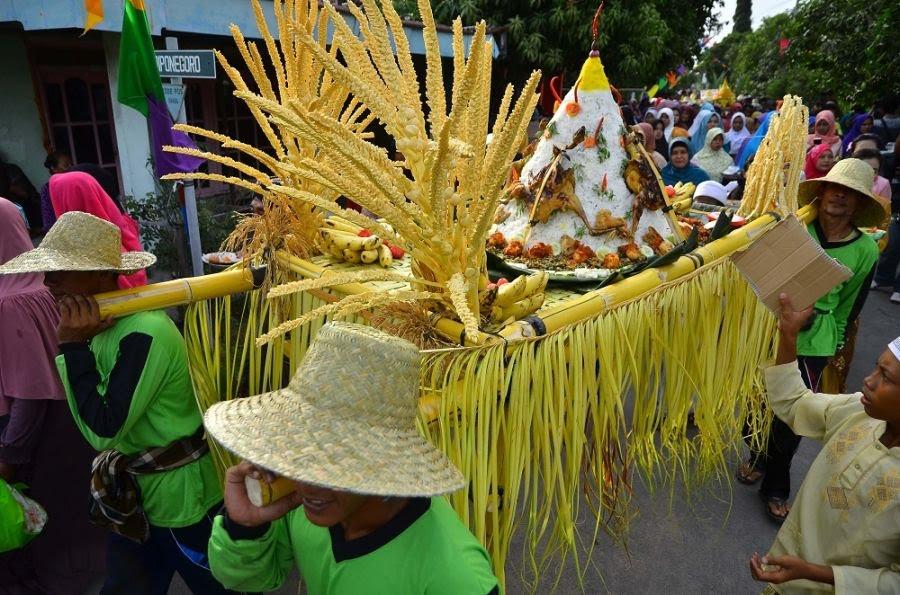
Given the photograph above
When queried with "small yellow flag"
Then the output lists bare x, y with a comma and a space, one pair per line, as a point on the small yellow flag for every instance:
93, 14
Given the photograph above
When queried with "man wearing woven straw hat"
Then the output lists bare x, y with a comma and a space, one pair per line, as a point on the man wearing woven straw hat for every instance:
843, 534
154, 484
364, 516
845, 203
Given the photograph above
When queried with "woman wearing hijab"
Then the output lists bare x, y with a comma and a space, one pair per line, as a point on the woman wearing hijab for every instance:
645, 133
659, 137
752, 144
39, 443
667, 117
699, 129
825, 133
680, 168
862, 124
78, 191
650, 116
737, 135
819, 162
712, 158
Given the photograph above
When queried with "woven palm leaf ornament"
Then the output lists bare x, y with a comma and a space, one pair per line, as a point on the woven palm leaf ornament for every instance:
439, 201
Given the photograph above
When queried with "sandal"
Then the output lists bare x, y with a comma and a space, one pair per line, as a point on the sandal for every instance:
747, 475
769, 501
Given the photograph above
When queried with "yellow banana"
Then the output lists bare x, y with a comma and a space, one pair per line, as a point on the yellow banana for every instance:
511, 292
340, 225
536, 283
518, 310
385, 258
349, 241
352, 256
368, 256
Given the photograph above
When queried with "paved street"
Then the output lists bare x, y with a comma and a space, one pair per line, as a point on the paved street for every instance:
675, 549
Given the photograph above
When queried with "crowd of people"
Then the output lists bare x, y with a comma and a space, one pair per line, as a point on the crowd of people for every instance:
99, 418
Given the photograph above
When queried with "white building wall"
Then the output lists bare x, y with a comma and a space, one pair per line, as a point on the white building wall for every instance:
132, 132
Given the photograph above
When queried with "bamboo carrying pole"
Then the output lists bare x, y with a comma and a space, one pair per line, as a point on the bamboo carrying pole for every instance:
178, 292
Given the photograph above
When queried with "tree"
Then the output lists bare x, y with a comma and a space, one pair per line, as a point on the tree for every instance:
639, 40
743, 16
849, 51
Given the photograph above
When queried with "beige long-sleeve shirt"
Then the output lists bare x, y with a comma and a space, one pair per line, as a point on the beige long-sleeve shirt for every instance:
847, 512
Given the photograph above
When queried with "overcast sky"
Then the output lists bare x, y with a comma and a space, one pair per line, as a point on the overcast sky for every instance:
761, 9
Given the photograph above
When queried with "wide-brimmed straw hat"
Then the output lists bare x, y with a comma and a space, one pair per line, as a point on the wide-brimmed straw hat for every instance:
80, 242
346, 421
857, 175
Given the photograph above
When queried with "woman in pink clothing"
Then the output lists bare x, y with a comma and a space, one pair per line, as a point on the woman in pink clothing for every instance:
825, 133
78, 191
39, 443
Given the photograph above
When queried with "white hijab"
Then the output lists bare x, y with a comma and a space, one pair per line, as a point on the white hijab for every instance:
737, 139
671, 126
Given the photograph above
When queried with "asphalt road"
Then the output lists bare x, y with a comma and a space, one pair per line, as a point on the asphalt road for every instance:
676, 548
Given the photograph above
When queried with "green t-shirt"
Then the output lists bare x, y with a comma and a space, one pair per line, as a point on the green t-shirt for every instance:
129, 390
837, 307
424, 549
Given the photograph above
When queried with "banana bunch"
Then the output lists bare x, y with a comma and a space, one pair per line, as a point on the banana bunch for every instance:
518, 298
681, 191
351, 243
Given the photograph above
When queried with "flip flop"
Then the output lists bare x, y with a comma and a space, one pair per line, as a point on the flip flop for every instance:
747, 479
767, 500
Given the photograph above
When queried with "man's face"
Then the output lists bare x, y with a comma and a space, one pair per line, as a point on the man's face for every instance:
881, 389
838, 201
679, 156
325, 507
70, 283
716, 143
822, 127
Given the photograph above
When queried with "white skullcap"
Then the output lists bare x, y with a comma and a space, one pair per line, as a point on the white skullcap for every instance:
894, 346
715, 191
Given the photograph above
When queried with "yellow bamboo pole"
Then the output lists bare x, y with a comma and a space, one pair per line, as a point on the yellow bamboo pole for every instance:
178, 292
596, 302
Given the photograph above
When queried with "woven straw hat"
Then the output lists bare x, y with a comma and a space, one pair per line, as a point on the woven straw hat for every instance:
79, 242
857, 175
346, 421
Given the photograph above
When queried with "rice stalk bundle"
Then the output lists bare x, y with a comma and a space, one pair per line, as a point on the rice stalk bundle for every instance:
774, 176
439, 198
546, 427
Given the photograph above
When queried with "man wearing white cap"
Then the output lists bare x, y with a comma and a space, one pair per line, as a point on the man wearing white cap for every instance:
713, 193
365, 514
843, 533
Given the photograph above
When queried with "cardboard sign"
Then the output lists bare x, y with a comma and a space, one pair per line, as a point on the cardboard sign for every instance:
788, 260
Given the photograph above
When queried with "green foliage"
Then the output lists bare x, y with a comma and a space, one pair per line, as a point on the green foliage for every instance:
163, 231
639, 40
849, 51
743, 16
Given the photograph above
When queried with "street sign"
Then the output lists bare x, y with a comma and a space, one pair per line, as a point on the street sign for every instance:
196, 64
174, 98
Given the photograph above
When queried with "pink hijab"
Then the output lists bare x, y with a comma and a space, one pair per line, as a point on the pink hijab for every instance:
649, 138
29, 315
830, 137
812, 172
78, 191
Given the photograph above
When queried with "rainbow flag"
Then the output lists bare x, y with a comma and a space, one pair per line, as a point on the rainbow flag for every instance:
140, 87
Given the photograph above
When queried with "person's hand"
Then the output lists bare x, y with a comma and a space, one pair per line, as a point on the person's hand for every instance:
791, 322
778, 569
241, 510
79, 319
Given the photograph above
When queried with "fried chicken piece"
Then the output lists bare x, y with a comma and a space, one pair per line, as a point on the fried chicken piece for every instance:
514, 249
539, 250
582, 253
605, 221
496, 240
653, 239
664, 248
631, 251
611, 261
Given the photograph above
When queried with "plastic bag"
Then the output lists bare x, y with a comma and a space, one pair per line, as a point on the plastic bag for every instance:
21, 518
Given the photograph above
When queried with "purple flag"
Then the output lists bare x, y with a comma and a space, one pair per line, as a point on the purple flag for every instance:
162, 134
